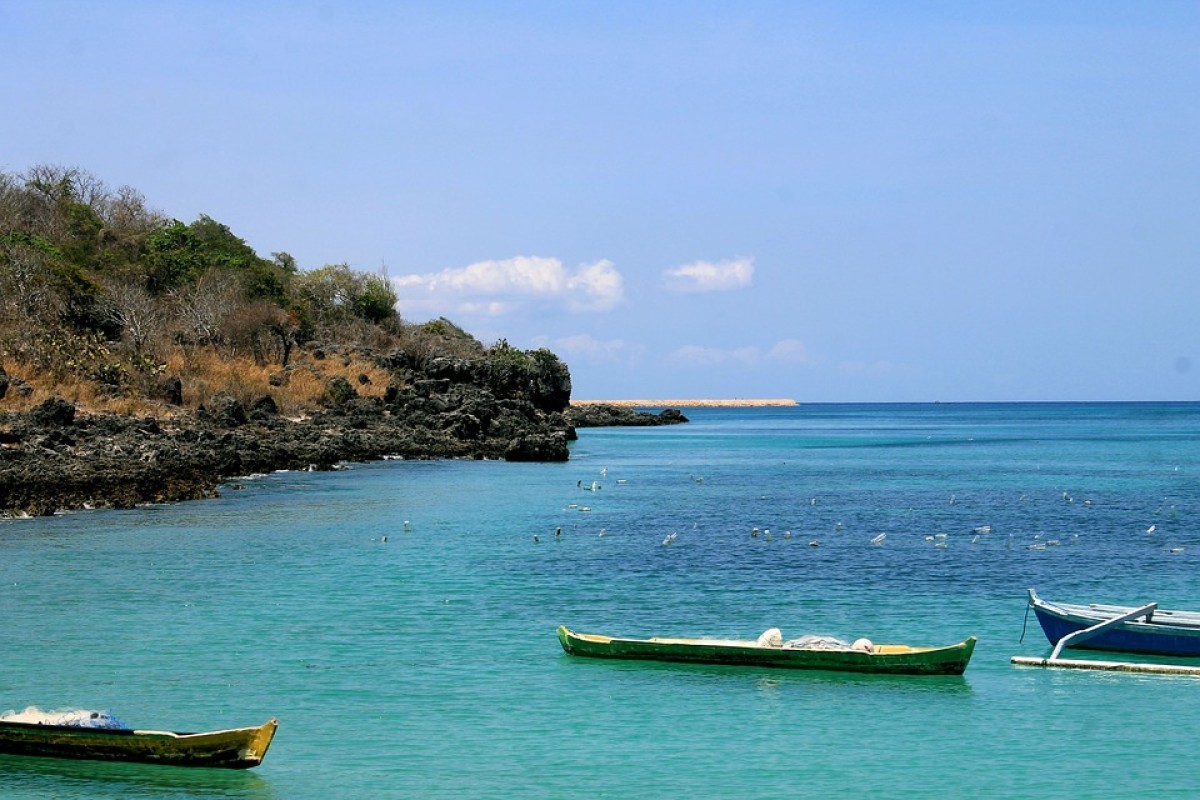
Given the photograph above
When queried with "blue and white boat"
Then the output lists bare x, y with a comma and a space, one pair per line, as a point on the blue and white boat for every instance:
1129, 629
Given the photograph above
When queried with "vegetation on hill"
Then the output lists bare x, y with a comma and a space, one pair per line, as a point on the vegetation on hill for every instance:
115, 306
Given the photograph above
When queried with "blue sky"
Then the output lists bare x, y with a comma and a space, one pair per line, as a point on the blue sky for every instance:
829, 201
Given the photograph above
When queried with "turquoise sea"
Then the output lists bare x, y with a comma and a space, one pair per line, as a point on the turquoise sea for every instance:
398, 617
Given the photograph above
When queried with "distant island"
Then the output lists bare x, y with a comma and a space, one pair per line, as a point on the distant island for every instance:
695, 403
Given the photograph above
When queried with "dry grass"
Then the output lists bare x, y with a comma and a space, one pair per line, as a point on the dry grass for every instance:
86, 395
205, 375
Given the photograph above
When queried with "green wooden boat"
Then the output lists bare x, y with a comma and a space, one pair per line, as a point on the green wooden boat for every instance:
887, 659
237, 748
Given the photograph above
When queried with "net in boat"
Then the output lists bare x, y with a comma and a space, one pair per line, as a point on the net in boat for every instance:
817, 642
72, 717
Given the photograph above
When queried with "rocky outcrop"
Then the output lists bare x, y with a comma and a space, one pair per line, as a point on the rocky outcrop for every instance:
537, 447
53, 457
601, 415
512, 406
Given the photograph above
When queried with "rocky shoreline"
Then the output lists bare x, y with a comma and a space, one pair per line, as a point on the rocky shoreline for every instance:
600, 415
55, 457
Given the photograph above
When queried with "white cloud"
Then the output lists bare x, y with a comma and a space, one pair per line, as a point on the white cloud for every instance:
585, 347
746, 356
601, 285
695, 355
493, 288
789, 351
783, 352
486, 309
706, 276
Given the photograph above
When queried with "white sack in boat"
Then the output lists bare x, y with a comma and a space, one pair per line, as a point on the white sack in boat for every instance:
771, 637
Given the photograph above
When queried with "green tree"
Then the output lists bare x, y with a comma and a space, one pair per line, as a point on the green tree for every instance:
179, 254
376, 299
261, 279
335, 295
173, 257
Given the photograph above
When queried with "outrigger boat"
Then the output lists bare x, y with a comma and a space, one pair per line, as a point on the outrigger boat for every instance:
893, 659
1129, 629
238, 748
1132, 629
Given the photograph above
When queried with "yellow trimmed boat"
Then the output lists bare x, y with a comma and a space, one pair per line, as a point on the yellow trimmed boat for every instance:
237, 748
890, 659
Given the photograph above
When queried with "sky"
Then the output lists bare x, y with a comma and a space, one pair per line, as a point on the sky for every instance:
824, 201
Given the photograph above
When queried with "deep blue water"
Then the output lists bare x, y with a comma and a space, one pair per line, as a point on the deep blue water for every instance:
426, 666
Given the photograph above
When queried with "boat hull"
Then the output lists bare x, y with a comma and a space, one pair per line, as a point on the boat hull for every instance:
889, 659
1128, 637
239, 748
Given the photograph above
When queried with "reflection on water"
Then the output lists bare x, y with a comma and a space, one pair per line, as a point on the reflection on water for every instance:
25, 776
718, 676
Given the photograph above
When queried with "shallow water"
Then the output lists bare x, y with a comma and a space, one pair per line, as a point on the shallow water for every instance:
426, 665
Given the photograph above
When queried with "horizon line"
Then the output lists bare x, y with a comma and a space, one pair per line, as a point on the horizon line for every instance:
736, 402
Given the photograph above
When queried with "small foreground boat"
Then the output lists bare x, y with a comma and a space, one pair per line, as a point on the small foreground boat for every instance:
891, 659
238, 748
1129, 629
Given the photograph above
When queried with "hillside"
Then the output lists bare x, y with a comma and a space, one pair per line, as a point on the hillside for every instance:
145, 359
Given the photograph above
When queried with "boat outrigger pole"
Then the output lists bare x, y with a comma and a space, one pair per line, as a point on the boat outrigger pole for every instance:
1080, 636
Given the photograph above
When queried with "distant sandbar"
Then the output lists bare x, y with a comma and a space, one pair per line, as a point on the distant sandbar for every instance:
737, 402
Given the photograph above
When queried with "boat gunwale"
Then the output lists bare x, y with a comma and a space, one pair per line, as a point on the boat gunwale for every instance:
130, 732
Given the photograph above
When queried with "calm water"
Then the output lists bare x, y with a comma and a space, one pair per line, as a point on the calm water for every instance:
425, 666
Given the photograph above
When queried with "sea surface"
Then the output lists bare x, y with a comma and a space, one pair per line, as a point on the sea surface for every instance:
399, 617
